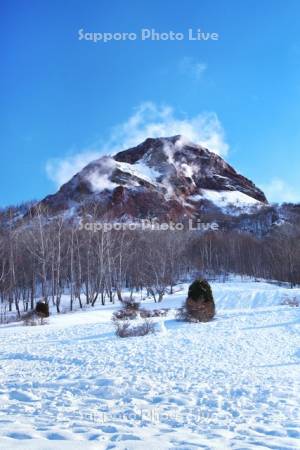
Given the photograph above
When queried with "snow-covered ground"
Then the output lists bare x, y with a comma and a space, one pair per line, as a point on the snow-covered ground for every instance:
233, 383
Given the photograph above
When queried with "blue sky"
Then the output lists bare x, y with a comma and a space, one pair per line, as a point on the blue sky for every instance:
64, 101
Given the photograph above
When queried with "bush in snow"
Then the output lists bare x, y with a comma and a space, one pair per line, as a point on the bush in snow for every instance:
130, 304
147, 313
291, 302
124, 314
32, 319
200, 290
123, 329
42, 308
128, 312
199, 305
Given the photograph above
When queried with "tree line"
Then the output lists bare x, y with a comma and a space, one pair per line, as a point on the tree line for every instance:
45, 257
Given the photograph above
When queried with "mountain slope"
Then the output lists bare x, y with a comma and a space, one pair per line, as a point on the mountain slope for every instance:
167, 178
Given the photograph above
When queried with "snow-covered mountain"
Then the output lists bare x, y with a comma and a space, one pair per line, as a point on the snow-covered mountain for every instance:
167, 178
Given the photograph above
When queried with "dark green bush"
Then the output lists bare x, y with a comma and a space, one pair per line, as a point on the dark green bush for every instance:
200, 290
199, 305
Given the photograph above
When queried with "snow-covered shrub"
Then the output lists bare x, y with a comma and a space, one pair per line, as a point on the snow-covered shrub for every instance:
199, 305
130, 304
147, 313
129, 310
32, 319
124, 314
123, 329
294, 302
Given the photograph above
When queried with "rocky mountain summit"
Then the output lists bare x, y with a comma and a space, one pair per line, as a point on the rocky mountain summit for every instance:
165, 178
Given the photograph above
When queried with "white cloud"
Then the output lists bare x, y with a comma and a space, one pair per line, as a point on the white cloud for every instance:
60, 170
150, 120
192, 67
147, 120
277, 190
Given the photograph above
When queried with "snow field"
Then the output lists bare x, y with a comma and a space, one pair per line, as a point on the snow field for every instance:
232, 383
